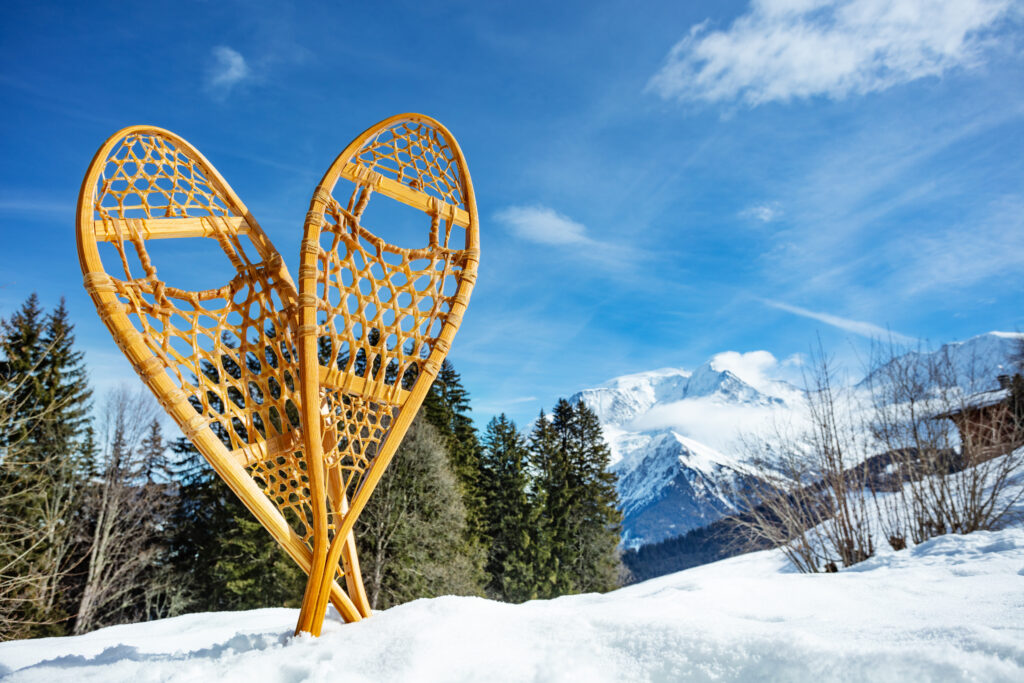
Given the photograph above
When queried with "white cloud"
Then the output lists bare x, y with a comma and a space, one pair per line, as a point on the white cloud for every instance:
865, 329
542, 224
715, 423
784, 49
228, 70
758, 368
766, 213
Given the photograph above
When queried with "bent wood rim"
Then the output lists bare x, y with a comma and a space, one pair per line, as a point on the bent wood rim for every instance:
227, 466
314, 602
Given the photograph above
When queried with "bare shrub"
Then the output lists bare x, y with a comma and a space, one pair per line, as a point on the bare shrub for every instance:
885, 459
937, 482
808, 499
121, 509
38, 498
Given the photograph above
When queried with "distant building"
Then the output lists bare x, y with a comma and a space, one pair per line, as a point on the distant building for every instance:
988, 423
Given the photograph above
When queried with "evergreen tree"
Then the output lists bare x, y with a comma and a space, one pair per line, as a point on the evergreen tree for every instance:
63, 385
599, 519
580, 517
552, 500
200, 517
447, 408
21, 343
411, 534
509, 519
253, 569
45, 396
155, 464
223, 555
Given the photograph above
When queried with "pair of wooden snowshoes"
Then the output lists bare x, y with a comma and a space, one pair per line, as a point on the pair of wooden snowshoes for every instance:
298, 397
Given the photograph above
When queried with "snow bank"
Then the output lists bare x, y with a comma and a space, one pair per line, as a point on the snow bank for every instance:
948, 609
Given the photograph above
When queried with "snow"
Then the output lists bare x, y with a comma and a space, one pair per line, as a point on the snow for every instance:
949, 609
656, 422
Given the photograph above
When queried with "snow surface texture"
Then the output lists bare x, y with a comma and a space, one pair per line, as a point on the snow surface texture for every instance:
675, 435
950, 609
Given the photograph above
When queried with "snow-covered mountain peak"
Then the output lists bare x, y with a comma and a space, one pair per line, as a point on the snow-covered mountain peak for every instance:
622, 399
975, 361
652, 378
676, 436
709, 381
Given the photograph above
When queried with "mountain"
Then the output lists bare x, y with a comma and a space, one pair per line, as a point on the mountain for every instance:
677, 437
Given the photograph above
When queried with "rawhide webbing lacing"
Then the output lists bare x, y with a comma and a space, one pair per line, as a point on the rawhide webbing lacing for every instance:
377, 320
222, 361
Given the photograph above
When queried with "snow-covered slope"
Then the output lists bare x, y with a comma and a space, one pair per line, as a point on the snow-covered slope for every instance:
949, 609
676, 435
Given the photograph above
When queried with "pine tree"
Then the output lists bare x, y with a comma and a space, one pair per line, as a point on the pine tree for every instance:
597, 562
219, 552
64, 386
155, 464
21, 342
45, 394
509, 519
552, 499
580, 516
411, 534
200, 517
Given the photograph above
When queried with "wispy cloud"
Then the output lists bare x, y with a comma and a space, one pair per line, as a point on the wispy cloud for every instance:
766, 213
785, 49
228, 69
864, 329
15, 205
543, 225
943, 260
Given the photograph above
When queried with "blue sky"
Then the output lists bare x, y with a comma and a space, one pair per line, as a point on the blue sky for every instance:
658, 181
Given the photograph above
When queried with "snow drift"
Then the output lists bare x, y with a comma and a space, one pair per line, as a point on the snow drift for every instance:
949, 609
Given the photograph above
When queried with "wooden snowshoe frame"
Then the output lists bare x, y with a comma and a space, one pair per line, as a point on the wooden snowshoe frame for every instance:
376, 320
222, 362
298, 400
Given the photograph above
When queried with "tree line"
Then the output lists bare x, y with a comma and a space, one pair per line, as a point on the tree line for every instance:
105, 519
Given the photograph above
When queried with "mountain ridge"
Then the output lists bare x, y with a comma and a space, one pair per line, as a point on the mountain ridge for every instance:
675, 434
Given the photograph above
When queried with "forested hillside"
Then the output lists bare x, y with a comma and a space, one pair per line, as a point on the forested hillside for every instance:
109, 516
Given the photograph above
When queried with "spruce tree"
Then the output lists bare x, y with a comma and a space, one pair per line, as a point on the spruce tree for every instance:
447, 408
45, 395
509, 519
200, 517
225, 557
552, 499
156, 466
21, 343
599, 520
580, 517
63, 385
